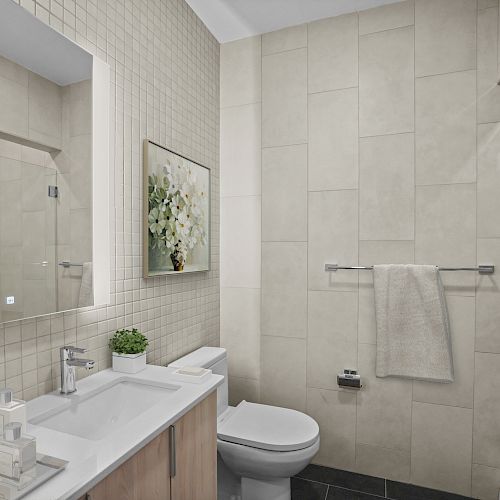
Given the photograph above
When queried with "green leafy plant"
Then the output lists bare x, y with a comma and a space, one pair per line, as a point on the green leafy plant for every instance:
128, 342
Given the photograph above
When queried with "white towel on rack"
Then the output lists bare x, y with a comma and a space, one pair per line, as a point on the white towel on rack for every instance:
413, 333
86, 297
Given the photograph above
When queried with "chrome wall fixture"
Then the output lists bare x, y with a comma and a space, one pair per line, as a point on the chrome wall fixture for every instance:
481, 269
67, 264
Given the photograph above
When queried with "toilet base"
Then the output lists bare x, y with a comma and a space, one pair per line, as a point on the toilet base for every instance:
270, 489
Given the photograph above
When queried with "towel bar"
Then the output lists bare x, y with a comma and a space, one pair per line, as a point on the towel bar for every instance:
67, 264
482, 269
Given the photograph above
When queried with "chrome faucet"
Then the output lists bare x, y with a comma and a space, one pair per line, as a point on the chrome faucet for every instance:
68, 365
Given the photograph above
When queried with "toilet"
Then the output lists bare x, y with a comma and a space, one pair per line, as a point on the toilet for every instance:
262, 445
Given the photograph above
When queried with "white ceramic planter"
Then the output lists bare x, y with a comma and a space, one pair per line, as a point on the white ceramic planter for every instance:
129, 363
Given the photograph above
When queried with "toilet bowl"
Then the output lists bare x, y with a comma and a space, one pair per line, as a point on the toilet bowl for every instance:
262, 445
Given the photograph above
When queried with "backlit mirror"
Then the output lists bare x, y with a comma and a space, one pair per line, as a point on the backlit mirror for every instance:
53, 154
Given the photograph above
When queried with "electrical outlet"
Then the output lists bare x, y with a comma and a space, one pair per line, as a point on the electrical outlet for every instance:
10, 300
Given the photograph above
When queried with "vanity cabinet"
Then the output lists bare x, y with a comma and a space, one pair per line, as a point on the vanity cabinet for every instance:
179, 464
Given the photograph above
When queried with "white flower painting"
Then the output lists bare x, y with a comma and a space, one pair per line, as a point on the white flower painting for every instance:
177, 222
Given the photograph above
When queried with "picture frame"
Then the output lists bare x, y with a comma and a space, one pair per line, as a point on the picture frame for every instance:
176, 213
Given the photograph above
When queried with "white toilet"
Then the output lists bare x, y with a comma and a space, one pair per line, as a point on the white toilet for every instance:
263, 445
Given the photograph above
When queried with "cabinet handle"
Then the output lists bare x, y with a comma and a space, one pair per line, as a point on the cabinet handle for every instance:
173, 466
88, 496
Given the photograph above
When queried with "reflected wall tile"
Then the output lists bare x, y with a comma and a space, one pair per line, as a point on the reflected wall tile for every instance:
485, 482
445, 36
488, 180
383, 406
446, 231
335, 412
283, 372
441, 453
284, 289
459, 393
333, 53
333, 140
386, 17
284, 193
386, 82
240, 75
14, 106
240, 330
487, 298
240, 241
331, 338
486, 410
332, 238
386, 188
291, 38
446, 128
240, 132
284, 98
383, 462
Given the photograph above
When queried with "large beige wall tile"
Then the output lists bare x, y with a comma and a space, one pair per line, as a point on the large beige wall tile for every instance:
446, 128
386, 17
332, 239
333, 140
445, 36
240, 241
240, 152
488, 180
333, 53
331, 338
486, 4
291, 38
383, 462
370, 253
485, 482
446, 231
386, 187
243, 389
335, 412
284, 193
240, 330
14, 106
441, 447
460, 392
486, 410
488, 298
284, 98
284, 289
386, 82
12, 71
384, 406
488, 92
240, 72
283, 372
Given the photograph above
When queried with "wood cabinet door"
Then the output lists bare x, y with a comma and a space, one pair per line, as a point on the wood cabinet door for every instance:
145, 476
194, 456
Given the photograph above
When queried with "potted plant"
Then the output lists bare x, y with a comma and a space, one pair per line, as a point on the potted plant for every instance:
129, 350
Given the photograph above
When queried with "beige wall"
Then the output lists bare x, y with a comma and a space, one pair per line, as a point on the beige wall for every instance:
380, 144
164, 86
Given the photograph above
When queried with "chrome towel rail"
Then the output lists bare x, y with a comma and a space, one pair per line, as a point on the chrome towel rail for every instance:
482, 269
66, 264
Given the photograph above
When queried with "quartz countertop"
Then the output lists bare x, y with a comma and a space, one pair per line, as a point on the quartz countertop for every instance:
92, 460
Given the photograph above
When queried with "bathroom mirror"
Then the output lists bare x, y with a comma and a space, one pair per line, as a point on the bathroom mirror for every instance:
54, 134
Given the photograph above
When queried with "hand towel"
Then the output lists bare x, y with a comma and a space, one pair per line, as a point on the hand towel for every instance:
413, 333
86, 297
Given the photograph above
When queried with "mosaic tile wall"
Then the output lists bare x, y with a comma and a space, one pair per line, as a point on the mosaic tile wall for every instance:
164, 86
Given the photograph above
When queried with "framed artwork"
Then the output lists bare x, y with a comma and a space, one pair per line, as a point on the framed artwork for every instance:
176, 236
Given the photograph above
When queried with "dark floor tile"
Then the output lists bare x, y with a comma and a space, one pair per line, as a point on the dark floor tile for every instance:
308, 490
403, 491
343, 494
344, 479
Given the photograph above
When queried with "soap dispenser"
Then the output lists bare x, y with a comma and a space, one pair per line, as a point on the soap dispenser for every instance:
17, 452
11, 410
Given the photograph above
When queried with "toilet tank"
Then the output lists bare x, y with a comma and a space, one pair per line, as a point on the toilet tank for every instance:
215, 359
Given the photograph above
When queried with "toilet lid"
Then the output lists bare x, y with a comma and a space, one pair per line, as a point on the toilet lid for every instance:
268, 427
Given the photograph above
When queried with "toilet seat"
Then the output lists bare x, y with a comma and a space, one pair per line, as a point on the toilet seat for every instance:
268, 428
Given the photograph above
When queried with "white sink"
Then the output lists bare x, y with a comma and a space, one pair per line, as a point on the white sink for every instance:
100, 413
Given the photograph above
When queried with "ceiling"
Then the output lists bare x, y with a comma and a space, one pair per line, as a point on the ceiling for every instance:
234, 19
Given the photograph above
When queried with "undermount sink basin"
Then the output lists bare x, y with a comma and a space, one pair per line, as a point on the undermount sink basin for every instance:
96, 415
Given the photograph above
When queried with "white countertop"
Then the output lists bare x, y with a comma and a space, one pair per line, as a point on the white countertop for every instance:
90, 460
